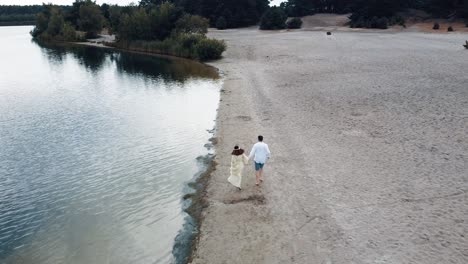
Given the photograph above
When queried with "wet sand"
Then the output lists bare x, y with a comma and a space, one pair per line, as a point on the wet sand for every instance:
368, 132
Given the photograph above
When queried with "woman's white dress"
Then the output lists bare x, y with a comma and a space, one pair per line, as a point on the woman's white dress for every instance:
237, 166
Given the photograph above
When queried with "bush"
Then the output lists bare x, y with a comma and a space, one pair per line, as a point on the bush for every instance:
192, 46
436, 26
382, 23
450, 29
69, 32
210, 49
397, 20
466, 45
221, 23
295, 22
274, 18
192, 24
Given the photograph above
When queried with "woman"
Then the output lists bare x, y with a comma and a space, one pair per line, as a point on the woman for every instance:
238, 160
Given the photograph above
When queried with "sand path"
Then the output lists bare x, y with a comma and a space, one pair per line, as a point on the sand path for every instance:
368, 133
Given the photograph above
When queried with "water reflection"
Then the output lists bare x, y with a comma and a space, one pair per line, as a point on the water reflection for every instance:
93, 156
154, 66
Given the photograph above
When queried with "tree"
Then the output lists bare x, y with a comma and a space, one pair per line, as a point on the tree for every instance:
141, 25
298, 8
274, 18
192, 24
105, 11
221, 23
237, 13
164, 18
74, 14
42, 22
56, 22
90, 19
151, 3
115, 13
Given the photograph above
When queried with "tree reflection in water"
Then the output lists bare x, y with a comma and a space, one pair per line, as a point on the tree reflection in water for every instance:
147, 65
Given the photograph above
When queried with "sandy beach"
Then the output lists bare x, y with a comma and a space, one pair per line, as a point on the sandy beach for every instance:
368, 133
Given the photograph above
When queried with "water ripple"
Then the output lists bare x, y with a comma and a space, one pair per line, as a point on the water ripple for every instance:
94, 156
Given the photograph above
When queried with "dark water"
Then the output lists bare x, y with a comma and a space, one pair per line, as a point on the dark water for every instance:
95, 150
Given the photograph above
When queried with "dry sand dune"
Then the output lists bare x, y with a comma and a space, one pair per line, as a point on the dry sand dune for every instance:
370, 149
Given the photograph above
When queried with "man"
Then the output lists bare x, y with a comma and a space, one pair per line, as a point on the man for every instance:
261, 153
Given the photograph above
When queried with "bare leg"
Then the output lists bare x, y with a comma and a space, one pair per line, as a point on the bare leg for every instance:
261, 174
257, 177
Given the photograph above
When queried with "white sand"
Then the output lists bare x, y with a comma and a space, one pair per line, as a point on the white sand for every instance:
370, 149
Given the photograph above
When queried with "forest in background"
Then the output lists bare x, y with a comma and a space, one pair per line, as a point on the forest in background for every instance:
377, 13
241, 13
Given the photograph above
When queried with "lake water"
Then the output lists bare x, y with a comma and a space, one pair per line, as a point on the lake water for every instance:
96, 150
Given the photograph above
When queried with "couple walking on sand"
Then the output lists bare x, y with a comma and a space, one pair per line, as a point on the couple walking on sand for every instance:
260, 152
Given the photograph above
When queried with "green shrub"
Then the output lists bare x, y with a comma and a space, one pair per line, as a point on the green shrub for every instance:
189, 40
466, 45
69, 32
381, 23
397, 20
221, 23
210, 49
192, 24
450, 29
295, 22
274, 18
436, 26
192, 46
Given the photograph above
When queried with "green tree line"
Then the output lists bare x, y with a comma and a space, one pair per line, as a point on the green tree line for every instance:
376, 13
240, 13
162, 28
19, 15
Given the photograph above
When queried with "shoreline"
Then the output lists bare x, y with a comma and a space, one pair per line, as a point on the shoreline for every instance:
352, 202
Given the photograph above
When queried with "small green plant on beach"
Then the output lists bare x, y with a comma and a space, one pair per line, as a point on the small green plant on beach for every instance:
450, 29
209, 49
293, 23
436, 26
466, 45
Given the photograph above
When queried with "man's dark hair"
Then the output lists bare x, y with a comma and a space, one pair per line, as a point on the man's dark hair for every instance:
260, 138
236, 147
